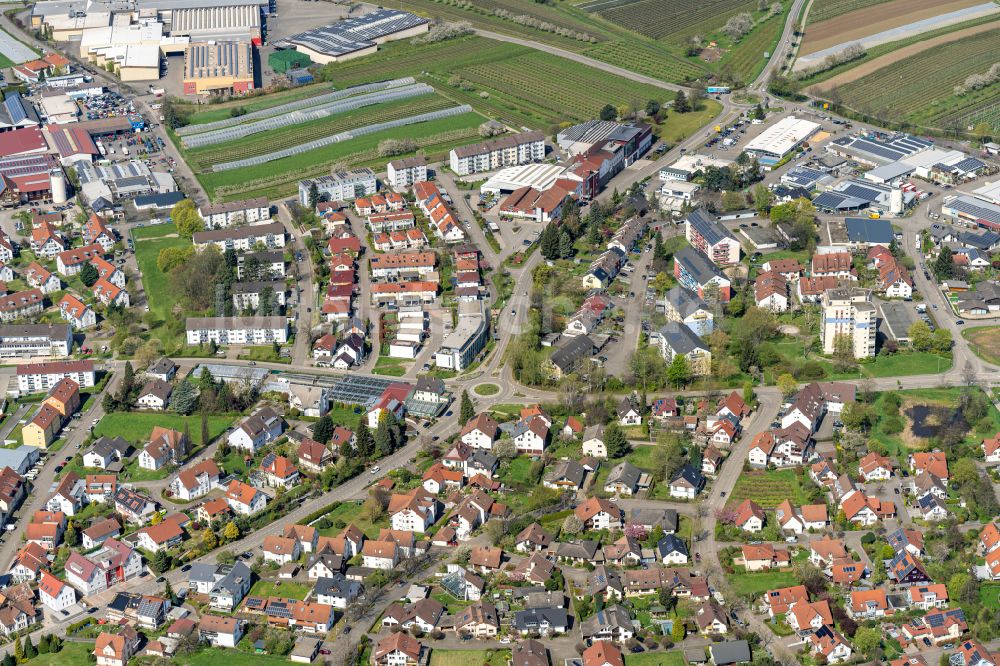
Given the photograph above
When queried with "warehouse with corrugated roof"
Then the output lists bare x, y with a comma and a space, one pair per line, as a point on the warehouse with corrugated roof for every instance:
218, 67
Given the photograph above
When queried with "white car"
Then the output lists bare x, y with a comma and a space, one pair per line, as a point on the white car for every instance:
375, 470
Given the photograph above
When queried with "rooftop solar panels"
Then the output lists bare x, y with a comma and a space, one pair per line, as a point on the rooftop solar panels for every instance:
836, 200
359, 390
857, 191
977, 209
15, 108
354, 34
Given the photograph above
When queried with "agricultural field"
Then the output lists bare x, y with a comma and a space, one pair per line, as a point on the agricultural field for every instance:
920, 89
521, 87
671, 20
985, 342
822, 10
200, 114
769, 488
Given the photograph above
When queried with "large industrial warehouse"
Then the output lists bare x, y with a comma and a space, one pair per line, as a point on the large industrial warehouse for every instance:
781, 138
356, 37
218, 67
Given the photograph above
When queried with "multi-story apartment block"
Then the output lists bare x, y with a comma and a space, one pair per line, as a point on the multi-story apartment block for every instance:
711, 238
849, 311
405, 172
498, 153
237, 330
26, 341
38, 377
246, 211
270, 235
340, 186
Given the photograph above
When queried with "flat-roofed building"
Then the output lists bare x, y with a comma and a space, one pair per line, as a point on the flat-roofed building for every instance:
781, 138
237, 330
212, 67
460, 347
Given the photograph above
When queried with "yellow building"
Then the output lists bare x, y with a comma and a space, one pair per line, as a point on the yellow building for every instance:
218, 67
43, 428
64, 397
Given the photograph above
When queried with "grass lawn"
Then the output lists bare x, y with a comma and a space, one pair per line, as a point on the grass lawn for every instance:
486, 389
347, 512
507, 410
989, 596
155, 283
153, 231
392, 367
899, 365
345, 415
678, 126
136, 426
642, 457
671, 658
265, 353
768, 488
72, 653
518, 470
281, 588
469, 657
756, 583
454, 606
212, 656
985, 342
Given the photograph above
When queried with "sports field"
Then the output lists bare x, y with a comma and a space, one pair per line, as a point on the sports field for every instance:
920, 89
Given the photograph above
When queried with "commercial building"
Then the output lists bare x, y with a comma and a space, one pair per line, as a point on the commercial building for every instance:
628, 140
781, 138
237, 330
340, 186
405, 172
710, 237
218, 67
355, 37
688, 165
207, 24
120, 180
849, 312
461, 347
966, 208
497, 153
26, 178
876, 150
510, 179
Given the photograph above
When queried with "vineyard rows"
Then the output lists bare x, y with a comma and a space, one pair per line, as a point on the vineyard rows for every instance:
544, 12
822, 10
922, 83
647, 60
203, 159
675, 18
746, 59
579, 96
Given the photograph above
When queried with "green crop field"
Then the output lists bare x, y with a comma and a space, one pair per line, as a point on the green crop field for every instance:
202, 113
920, 89
768, 488
517, 85
821, 10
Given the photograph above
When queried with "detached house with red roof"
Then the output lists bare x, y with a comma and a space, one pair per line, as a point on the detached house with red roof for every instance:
71, 261
167, 534
96, 232
110, 294
780, 600
749, 516
875, 467
54, 593
244, 499
46, 241
279, 471
931, 462
76, 313
196, 481
41, 278
991, 450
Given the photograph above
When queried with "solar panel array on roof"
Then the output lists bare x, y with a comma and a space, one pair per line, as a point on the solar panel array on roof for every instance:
836, 200
354, 34
858, 191
878, 149
969, 164
359, 390
15, 108
279, 609
976, 209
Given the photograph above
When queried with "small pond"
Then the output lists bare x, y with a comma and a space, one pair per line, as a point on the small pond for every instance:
929, 420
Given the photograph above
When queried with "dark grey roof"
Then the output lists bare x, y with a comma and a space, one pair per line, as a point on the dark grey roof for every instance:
337, 586
626, 474
570, 470
570, 352
865, 230
584, 550
533, 618
689, 474
665, 518
238, 576
697, 264
730, 652
430, 384
162, 366
685, 301
708, 226
165, 200
614, 616
681, 338
671, 543
107, 446
838, 201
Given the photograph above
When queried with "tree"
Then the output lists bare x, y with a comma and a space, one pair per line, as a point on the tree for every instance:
921, 337
18, 650
748, 394
29, 648
168, 592
313, 195
505, 450
843, 351
322, 430
565, 246
186, 218
787, 385
209, 540
8, 660
572, 525
89, 275
72, 535
681, 102
609, 112
161, 561
858, 416
679, 372
184, 398
615, 441
231, 532
365, 443
762, 199
867, 641
944, 265
652, 107
733, 200
549, 242
678, 632
467, 410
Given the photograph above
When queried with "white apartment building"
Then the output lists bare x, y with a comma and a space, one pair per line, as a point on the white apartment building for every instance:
340, 186
237, 330
849, 311
498, 153
246, 211
405, 172
28, 340
271, 236
39, 377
